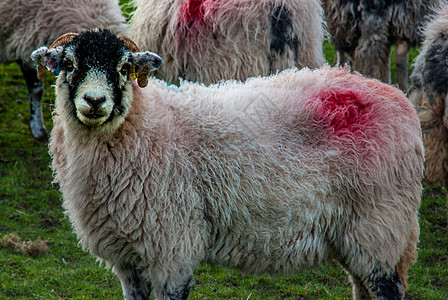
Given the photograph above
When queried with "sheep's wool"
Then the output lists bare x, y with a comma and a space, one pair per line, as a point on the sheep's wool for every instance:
364, 30
211, 40
270, 175
429, 95
28, 24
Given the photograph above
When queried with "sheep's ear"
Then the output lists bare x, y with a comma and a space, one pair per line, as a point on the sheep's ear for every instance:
50, 58
144, 62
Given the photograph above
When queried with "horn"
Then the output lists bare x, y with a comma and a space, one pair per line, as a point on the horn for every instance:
63, 39
130, 44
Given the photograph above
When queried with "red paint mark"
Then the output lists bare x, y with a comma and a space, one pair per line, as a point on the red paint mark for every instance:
343, 110
193, 11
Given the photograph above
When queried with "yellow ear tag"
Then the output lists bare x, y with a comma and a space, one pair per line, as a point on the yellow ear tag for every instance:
133, 75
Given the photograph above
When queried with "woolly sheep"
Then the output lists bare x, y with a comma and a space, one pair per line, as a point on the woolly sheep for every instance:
429, 93
28, 24
211, 40
363, 32
266, 176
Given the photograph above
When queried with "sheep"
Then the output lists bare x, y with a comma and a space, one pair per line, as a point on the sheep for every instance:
209, 40
363, 32
28, 24
269, 175
429, 93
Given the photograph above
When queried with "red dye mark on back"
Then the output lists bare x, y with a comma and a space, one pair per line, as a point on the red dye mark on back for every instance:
193, 11
343, 110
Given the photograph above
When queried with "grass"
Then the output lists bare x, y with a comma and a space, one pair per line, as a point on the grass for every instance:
30, 206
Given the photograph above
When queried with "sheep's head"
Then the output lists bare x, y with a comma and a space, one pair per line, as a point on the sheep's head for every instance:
96, 69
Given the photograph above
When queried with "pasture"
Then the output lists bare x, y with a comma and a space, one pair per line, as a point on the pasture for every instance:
30, 207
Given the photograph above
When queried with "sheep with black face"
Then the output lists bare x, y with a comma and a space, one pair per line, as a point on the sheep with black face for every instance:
28, 24
267, 176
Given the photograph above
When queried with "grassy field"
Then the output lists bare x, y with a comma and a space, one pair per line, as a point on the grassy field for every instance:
30, 207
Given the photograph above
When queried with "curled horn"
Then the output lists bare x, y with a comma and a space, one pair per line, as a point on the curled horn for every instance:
63, 39
142, 74
129, 43
60, 41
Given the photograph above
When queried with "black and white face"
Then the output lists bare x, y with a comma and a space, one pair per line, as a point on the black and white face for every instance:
96, 76
95, 79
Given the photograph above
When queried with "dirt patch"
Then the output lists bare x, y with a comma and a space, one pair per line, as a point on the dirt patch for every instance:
49, 222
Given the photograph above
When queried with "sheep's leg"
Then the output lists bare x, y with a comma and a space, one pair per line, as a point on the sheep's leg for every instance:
409, 255
377, 285
179, 291
371, 56
134, 285
370, 268
359, 289
372, 59
35, 88
401, 63
386, 285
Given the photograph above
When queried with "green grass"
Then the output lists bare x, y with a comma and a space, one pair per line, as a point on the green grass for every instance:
31, 207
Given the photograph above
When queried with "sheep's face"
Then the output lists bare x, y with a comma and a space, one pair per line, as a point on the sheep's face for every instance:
97, 80
96, 70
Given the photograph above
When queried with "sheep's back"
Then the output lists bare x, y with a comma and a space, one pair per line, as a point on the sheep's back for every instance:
328, 108
325, 144
342, 130
208, 41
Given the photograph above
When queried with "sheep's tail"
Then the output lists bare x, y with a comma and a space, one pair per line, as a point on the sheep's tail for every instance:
410, 254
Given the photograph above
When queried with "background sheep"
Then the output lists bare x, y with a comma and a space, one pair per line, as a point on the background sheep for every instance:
28, 24
363, 32
267, 176
429, 95
211, 40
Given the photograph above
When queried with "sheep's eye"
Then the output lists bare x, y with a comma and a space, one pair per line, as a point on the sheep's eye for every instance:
124, 71
69, 67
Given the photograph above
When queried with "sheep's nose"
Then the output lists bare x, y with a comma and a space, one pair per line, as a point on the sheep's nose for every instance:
95, 102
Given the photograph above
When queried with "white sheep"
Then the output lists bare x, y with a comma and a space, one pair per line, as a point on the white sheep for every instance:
210, 40
28, 24
266, 176
363, 32
429, 94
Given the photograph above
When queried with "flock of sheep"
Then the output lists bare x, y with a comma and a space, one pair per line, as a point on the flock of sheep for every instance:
231, 142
